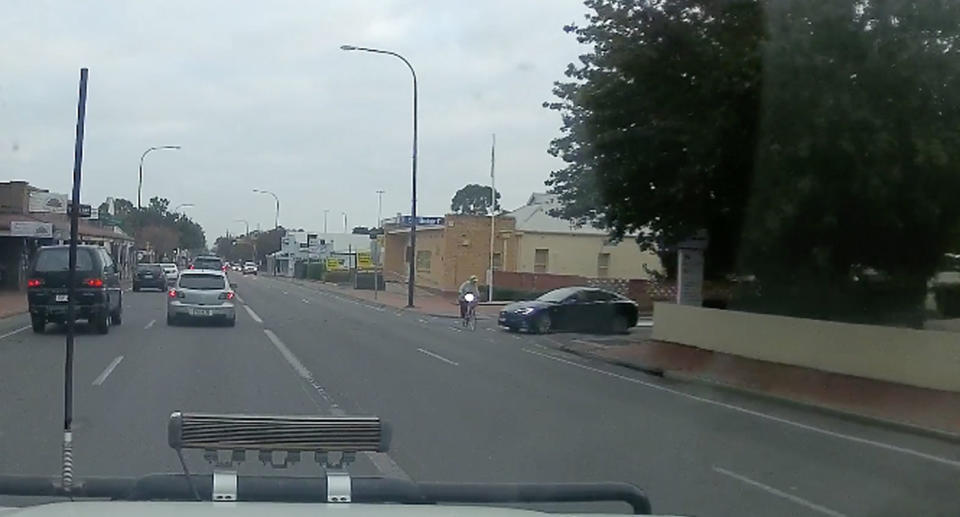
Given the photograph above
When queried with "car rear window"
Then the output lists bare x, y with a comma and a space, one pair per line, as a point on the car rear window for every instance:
202, 282
54, 260
153, 268
207, 264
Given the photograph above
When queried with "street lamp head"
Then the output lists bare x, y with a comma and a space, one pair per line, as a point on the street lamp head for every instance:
347, 47
171, 147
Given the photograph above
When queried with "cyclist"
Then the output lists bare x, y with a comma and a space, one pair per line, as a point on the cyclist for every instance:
468, 287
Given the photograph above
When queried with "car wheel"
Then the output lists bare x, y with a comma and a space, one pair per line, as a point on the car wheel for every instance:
171, 320
38, 323
619, 325
136, 288
103, 323
543, 324
116, 317
232, 322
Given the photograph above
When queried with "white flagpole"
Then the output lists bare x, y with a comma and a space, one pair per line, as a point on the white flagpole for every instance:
493, 215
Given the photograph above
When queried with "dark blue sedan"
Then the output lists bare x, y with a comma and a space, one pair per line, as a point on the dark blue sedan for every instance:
571, 308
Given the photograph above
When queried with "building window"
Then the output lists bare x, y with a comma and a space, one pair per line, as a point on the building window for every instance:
497, 262
603, 265
541, 259
423, 261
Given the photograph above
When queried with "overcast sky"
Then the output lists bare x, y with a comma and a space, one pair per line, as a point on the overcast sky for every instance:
260, 96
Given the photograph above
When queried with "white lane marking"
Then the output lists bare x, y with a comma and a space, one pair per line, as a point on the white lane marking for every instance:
284, 292
253, 314
15, 331
387, 466
644, 323
302, 370
237, 296
758, 414
435, 356
305, 300
103, 376
780, 493
382, 461
149, 324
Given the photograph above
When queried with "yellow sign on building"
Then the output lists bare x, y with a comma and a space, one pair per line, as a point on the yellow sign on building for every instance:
334, 264
364, 261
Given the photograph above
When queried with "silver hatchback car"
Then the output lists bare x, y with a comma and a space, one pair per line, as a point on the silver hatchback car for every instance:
201, 294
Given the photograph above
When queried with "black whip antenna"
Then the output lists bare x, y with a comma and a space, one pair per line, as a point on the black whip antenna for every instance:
67, 472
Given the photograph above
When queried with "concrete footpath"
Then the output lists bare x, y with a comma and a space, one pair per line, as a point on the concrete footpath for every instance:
12, 303
926, 411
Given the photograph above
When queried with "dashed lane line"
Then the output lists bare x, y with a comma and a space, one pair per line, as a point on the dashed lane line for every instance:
106, 372
252, 314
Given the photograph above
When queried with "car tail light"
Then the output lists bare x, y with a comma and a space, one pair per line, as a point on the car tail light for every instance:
224, 268
191, 266
227, 295
34, 282
173, 293
93, 282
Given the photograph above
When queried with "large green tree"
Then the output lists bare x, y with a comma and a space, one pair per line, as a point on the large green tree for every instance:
859, 155
474, 199
816, 140
187, 233
660, 121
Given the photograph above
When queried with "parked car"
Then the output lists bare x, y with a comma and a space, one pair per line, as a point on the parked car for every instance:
249, 268
170, 270
208, 262
149, 276
99, 299
201, 294
571, 308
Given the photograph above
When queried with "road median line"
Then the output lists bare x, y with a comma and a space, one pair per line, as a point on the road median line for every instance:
14, 332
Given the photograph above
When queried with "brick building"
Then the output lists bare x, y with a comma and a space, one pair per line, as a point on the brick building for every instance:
448, 253
527, 240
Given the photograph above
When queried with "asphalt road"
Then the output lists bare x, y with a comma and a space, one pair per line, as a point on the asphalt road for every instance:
464, 406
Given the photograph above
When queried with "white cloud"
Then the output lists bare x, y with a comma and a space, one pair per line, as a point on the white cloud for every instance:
259, 95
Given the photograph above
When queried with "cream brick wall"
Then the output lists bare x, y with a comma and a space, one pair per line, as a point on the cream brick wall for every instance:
573, 254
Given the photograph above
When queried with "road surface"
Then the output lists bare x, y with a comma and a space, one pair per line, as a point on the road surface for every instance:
464, 406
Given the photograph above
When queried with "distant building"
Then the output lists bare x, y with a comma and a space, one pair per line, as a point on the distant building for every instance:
31, 217
527, 240
549, 244
305, 246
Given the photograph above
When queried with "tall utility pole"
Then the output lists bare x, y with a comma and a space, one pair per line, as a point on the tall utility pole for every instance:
345, 229
325, 212
411, 275
144, 155
493, 217
378, 270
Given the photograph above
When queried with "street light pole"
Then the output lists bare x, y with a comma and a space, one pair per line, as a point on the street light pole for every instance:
276, 218
413, 191
181, 205
344, 214
325, 212
142, 156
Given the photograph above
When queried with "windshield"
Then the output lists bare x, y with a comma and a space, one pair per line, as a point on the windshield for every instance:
557, 295
58, 260
207, 264
194, 281
713, 246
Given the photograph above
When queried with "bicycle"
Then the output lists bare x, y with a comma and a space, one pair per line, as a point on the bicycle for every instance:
469, 319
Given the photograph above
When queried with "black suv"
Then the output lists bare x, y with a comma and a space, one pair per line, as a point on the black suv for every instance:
99, 299
150, 275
